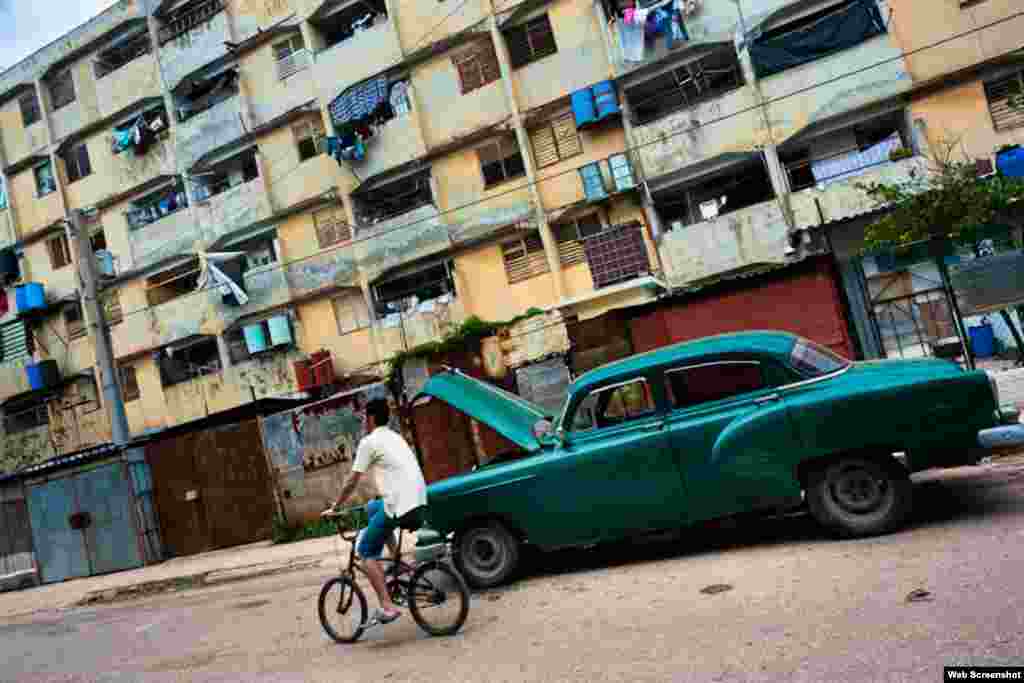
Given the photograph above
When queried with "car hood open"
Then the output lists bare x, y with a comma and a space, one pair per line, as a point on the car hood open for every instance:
511, 416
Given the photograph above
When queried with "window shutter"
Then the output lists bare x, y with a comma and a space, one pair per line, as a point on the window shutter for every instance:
1001, 95
570, 247
621, 172
545, 150
568, 139
331, 227
524, 258
488, 63
593, 182
469, 72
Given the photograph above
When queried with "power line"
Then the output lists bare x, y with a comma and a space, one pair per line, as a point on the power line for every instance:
660, 140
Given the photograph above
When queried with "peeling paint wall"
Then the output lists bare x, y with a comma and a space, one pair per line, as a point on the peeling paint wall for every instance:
750, 236
25, 448
564, 187
134, 81
272, 96
230, 211
350, 61
84, 110
396, 142
250, 16
489, 294
209, 130
533, 339
56, 283
351, 351
421, 23
291, 180
34, 213
413, 235
17, 140
114, 173
173, 234
192, 50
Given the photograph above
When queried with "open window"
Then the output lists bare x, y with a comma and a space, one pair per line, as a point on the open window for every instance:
198, 95
291, 56
129, 383
221, 177
260, 337
309, 137
394, 198
530, 41
614, 405
846, 152
570, 235
259, 251
29, 105
62, 89
684, 86
121, 51
77, 164
187, 360
74, 321
140, 131
728, 191
25, 416
156, 205
182, 20
402, 293
348, 19
500, 161
173, 283
45, 180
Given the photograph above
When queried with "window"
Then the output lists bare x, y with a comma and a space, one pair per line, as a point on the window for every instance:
190, 16
383, 202
74, 323
350, 21
260, 253
351, 313
24, 418
259, 337
570, 236
477, 67
707, 382
189, 360
684, 86
111, 301
76, 162
524, 258
60, 251
798, 169
308, 135
125, 50
45, 180
227, 175
556, 141
156, 205
593, 181
532, 41
1006, 101
614, 405
173, 283
291, 56
331, 226
196, 96
62, 89
141, 131
30, 112
743, 187
814, 360
16, 342
129, 383
500, 160
425, 284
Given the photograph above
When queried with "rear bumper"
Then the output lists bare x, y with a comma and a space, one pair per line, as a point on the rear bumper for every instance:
1008, 436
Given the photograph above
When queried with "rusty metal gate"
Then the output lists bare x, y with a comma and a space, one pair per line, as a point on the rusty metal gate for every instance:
912, 312
212, 488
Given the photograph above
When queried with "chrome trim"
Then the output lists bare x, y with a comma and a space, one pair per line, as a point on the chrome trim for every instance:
710, 363
815, 380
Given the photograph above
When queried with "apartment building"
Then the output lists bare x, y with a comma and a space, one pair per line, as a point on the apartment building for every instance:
357, 178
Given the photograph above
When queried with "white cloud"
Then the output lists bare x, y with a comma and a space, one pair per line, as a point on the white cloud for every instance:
27, 25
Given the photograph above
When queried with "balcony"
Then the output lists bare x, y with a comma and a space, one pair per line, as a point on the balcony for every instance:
746, 238
171, 235
136, 80
425, 322
192, 37
233, 209
312, 178
396, 142
328, 270
401, 239
209, 130
364, 53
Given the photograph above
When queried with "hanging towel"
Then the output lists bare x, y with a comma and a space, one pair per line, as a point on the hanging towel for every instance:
640, 17
211, 276
852, 163
122, 140
677, 31
400, 98
631, 39
627, 15
359, 101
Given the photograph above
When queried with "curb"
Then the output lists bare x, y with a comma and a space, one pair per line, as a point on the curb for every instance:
185, 582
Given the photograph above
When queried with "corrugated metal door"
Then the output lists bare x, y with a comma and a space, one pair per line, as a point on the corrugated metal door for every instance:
60, 549
15, 535
236, 487
110, 538
183, 524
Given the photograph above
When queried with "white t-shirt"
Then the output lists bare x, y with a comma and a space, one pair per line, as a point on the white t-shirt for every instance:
395, 470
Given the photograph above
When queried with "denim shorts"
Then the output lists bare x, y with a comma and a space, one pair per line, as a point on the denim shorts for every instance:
380, 528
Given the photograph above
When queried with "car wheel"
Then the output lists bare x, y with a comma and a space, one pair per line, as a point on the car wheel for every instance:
859, 496
487, 555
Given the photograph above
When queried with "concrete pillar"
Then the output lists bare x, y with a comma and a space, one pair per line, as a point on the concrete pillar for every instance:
526, 150
222, 349
44, 109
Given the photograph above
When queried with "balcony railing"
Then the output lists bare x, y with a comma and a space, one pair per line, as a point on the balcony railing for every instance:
185, 20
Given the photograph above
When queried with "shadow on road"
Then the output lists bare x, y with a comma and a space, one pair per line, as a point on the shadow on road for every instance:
958, 497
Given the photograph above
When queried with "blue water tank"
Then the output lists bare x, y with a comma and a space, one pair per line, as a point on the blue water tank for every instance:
983, 340
1011, 162
105, 263
606, 99
280, 330
42, 374
255, 338
583, 108
29, 296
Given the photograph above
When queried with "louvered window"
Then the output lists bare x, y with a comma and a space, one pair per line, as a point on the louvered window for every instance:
477, 67
556, 141
532, 41
331, 227
524, 258
570, 236
74, 323
1006, 101
60, 252
16, 342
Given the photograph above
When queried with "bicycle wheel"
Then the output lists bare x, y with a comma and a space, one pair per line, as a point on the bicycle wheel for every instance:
342, 608
438, 598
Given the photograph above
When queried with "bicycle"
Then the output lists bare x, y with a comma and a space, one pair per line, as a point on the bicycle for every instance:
425, 587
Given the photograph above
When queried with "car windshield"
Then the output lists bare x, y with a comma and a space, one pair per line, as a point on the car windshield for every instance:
814, 360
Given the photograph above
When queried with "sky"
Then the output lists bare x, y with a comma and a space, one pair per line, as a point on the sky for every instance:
27, 25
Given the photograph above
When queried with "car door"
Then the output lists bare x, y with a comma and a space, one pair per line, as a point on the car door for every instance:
624, 470
727, 427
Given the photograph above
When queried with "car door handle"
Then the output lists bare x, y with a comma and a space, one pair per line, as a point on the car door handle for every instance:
653, 428
766, 399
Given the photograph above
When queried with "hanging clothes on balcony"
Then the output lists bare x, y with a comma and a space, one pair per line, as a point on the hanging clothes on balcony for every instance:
3, 195
363, 102
631, 40
211, 275
845, 165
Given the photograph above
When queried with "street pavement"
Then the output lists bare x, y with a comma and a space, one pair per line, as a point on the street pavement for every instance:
791, 605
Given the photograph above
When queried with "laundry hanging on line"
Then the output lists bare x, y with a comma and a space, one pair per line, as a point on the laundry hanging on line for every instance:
211, 275
366, 101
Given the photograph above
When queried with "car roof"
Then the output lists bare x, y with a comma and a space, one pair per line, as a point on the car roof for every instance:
761, 342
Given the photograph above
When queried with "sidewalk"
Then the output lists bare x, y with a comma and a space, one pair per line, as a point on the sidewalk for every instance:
219, 566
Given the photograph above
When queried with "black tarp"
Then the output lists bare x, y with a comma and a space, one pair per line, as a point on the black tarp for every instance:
836, 28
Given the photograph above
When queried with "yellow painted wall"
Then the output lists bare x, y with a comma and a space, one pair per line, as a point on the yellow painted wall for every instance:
269, 95
56, 282
149, 412
961, 114
291, 180
563, 186
422, 23
460, 181
297, 237
18, 141
33, 212
85, 109
349, 352
917, 23
251, 15
135, 80
366, 53
487, 293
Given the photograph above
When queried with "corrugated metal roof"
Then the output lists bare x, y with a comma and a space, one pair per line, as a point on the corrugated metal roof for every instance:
63, 461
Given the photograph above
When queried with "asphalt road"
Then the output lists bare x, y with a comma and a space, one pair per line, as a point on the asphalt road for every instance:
799, 607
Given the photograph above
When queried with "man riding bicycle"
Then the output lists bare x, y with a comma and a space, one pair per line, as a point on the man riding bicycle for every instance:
403, 489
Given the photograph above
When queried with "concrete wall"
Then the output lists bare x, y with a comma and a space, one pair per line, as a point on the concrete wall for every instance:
84, 110
57, 283
270, 95
209, 130
173, 234
252, 15
138, 79
114, 173
349, 352
423, 23
488, 293
19, 141
34, 213
396, 142
188, 52
751, 236
917, 23
223, 214
562, 187
350, 61
581, 59
8, 230
960, 114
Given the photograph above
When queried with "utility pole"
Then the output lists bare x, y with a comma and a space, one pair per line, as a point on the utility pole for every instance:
101, 332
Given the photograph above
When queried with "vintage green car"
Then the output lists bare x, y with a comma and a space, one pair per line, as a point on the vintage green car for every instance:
706, 429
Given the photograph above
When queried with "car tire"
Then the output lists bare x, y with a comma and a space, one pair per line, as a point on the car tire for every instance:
487, 555
859, 496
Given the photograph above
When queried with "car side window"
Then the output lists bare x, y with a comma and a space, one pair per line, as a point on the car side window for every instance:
706, 382
613, 405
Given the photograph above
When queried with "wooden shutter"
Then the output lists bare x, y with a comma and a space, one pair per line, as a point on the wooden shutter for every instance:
331, 227
1006, 101
524, 258
570, 247
477, 67
545, 150
568, 139
129, 383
